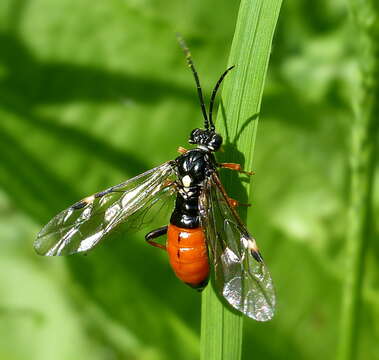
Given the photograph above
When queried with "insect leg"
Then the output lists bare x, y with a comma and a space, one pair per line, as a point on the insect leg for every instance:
235, 167
234, 203
154, 234
181, 150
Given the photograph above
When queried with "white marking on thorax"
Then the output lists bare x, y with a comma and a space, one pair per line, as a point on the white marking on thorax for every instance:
186, 180
185, 192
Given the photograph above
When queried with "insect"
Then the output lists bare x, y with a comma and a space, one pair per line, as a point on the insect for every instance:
204, 230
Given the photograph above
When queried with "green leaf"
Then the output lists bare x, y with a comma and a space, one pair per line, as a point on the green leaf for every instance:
363, 150
221, 330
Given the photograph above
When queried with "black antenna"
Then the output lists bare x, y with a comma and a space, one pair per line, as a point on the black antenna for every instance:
214, 95
192, 67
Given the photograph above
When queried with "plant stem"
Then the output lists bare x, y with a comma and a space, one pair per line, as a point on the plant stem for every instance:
221, 329
362, 161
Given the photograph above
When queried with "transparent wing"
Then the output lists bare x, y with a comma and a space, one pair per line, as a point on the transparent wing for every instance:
135, 202
241, 276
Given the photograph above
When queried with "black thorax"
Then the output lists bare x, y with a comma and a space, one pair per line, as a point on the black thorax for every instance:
193, 168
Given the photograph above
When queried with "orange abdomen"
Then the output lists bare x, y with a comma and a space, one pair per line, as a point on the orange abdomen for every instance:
188, 255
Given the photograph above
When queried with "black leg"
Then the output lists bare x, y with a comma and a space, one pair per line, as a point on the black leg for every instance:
154, 234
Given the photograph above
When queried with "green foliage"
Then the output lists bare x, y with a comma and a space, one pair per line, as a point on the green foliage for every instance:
363, 160
221, 328
92, 93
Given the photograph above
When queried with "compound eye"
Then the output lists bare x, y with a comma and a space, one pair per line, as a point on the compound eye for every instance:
216, 142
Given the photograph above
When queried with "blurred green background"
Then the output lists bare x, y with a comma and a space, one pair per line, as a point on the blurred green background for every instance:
92, 93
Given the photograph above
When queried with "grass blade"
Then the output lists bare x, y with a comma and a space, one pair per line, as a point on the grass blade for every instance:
362, 163
221, 329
